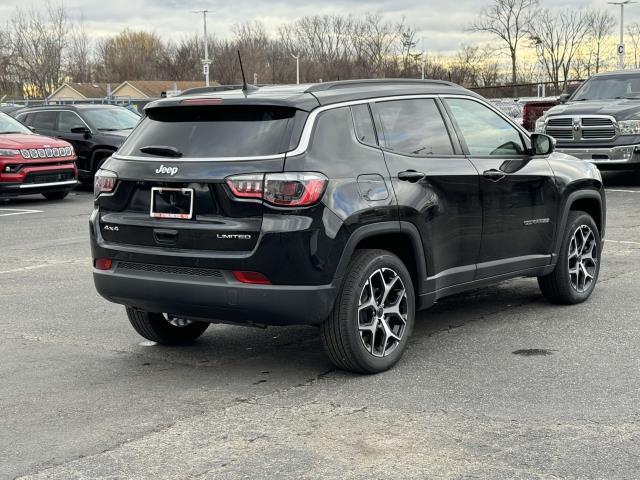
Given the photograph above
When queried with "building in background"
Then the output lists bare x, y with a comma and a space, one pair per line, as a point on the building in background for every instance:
79, 91
152, 88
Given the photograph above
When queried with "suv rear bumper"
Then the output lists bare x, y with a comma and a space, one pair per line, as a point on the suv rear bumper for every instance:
218, 298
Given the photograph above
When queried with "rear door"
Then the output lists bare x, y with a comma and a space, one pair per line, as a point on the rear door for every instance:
436, 187
214, 142
519, 194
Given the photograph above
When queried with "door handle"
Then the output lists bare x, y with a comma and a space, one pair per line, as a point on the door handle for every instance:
411, 176
494, 175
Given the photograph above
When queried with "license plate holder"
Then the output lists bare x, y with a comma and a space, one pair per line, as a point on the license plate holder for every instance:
176, 203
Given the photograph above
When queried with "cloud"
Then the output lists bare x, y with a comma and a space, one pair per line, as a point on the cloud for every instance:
442, 23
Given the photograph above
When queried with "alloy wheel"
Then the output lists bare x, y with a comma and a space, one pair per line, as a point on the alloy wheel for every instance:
382, 312
583, 258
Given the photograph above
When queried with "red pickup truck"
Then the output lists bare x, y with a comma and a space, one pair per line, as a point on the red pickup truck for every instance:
31, 163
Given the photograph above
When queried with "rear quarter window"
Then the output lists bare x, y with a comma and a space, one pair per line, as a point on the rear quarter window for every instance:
209, 132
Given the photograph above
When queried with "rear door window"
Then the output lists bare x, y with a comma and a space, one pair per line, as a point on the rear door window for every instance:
44, 120
414, 127
209, 132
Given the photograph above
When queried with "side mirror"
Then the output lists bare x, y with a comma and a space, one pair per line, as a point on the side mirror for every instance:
84, 130
542, 144
564, 98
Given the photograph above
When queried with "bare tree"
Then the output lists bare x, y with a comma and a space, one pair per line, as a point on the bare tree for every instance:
38, 42
600, 24
130, 55
508, 20
78, 59
633, 31
558, 36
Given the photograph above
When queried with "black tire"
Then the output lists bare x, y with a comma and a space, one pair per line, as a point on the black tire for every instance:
155, 327
340, 333
559, 286
56, 195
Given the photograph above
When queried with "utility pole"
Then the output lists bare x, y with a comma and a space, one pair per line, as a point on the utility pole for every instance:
621, 44
297, 57
424, 58
206, 62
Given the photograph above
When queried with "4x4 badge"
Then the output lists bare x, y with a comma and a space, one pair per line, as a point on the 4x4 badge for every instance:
167, 170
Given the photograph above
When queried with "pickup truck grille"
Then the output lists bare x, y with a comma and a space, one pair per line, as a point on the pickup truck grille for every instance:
581, 128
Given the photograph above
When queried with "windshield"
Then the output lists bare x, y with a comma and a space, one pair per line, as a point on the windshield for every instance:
609, 87
111, 118
11, 125
201, 132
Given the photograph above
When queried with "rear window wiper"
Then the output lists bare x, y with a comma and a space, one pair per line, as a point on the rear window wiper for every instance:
162, 151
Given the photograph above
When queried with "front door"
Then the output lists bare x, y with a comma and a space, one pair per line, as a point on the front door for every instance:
518, 190
436, 186
81, 142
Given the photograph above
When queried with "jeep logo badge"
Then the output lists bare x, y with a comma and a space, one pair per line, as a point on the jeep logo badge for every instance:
166, 170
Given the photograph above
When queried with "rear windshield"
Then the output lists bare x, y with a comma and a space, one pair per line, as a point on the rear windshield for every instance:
212, 131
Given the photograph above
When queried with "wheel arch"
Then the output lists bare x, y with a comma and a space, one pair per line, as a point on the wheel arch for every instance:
589, 201
400, 238
99, 153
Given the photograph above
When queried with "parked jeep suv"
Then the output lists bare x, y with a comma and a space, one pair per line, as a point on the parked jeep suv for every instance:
347, 205
32, 164
95, 131
600, 121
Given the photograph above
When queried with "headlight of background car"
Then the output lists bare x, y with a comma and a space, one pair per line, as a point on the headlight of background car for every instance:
629, 127
8, 152
540, 125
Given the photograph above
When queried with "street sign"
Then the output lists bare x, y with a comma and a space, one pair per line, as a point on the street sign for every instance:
205, 69
621, 49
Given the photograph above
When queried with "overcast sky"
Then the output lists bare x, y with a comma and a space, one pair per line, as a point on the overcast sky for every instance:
441, 22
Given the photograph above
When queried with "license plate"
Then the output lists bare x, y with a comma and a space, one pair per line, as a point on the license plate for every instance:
172, 202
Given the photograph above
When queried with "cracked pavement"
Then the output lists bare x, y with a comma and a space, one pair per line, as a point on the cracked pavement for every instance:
83, 397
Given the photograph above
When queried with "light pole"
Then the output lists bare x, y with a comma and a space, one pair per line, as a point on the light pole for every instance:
206, 62
621, 45
424, 58
297, 57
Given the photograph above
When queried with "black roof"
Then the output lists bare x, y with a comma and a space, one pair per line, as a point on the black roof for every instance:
309, 96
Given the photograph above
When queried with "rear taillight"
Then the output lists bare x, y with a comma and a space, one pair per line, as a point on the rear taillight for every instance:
255, 278
104, 182
299, 189
103, 263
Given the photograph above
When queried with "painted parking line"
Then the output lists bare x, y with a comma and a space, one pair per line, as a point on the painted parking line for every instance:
44, 265
623, 242
15, 211
621, 191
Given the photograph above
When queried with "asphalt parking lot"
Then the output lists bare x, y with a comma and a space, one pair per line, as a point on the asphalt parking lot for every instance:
81, 396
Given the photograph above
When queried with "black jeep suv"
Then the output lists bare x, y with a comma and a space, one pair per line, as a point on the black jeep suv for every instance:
347, 205
95, 131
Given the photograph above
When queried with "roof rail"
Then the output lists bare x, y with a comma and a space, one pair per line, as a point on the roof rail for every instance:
321, 87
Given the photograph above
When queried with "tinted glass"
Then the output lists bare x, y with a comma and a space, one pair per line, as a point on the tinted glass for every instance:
106, 119
414, 127
43, 120
69, 120
364, 124
11, 125
485, 132
197, 132
609, 87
